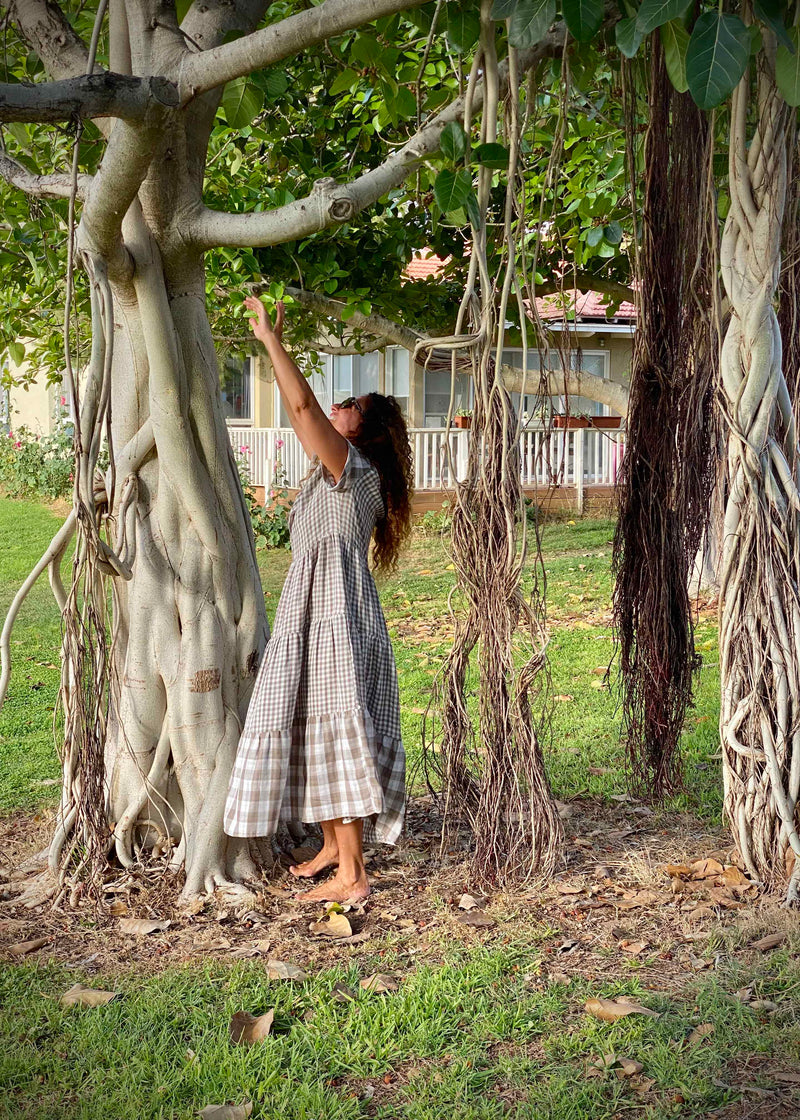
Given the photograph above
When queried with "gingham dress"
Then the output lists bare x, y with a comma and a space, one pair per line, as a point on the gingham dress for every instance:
322, 735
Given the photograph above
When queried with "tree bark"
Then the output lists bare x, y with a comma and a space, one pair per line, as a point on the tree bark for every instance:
760, 608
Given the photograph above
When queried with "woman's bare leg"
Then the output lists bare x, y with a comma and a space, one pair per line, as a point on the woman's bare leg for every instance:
350, 882
328, 856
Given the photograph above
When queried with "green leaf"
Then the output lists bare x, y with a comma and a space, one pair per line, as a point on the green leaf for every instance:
583, 17
366, 49
453, 142
716, 58
274, 83
405, 102
463, 28
452, 189
344, 81
628, 36
241, 102
494, 156
530, 22
594, 236
770, 13
16, 352
675, 41
473, 210
503, 9
655, 13
613, 233
787, 69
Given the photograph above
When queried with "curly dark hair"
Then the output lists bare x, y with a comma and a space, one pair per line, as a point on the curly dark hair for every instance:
383, 439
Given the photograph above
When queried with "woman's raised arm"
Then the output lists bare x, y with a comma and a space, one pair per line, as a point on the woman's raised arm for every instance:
314, 430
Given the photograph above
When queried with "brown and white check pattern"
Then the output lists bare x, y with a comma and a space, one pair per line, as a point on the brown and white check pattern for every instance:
322, 735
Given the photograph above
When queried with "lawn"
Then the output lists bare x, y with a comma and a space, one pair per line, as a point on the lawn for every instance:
488, 1022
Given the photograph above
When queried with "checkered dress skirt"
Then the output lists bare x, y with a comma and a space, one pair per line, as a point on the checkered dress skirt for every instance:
322, 735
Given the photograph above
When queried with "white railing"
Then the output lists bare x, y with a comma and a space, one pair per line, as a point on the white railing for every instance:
573, 457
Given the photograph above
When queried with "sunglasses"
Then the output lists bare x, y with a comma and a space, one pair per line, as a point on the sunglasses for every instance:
351, 402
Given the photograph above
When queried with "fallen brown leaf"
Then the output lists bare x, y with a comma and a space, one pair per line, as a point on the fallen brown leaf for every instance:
475, 918
81, 996
764, 1005
703, 1031
380, 982
342, 994
246, 1029
771, 941
282, 970
139, 926
610, 1010
627, 1067
335, 926
635, 948
226, 1111
467, 902
705, 868
788, 1078
22, 948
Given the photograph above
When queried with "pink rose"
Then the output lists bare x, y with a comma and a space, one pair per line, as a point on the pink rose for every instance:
245, 450
279, 443
17, 445
63, 401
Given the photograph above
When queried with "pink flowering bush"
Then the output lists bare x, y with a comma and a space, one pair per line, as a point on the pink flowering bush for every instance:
271, 521
34, 466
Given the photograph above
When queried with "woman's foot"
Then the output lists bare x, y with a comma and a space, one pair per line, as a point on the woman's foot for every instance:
338, 889
327, 857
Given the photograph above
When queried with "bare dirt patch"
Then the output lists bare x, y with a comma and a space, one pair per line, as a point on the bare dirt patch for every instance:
636, 886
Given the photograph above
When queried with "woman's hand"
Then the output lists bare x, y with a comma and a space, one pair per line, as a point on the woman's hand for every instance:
261, 325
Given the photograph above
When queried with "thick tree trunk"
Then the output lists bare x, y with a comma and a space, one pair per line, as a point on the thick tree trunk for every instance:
760, 608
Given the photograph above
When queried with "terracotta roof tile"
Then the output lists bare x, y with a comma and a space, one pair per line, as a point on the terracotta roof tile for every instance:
421, 267
586, 305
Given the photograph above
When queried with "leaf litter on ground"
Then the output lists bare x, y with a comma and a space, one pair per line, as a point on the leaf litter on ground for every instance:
246, 1029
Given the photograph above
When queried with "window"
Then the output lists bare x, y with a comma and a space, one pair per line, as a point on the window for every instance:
355, 375
591, 361
437, 396
235, 380
398, 361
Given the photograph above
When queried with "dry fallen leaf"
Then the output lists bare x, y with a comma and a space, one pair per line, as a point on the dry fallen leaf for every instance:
467, 902
380, 982
765, 1005
335, 926
226, 1111
633, 947
246, 1029
610, 1010
705, 868
78, 995
475, 918
282, 970
570, 888
733, 876
627, 1067
703, 1031
118, 908
139, 926
342, 994
771, 941
789, 1078
22, 948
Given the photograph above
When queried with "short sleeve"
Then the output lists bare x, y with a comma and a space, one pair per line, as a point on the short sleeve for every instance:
361, 477
356, 468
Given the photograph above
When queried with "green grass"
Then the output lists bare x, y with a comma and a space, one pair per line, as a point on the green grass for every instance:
474, 1037
586, 728
27, 753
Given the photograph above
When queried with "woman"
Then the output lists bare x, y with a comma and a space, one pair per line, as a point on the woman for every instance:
322, 736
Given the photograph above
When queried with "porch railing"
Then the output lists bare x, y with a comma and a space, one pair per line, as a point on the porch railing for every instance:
574, 457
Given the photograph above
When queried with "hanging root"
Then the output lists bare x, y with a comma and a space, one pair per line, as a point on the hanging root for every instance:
668, 472
759, 601
489, 773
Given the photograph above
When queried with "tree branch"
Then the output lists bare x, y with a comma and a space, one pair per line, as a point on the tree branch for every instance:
331, 203
98, 95
48, 31
587, 282
40, 186
373, 324
573, 383
211, 68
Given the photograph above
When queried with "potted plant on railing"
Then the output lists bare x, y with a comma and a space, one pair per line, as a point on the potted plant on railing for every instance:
462, 419
606, 421
564, 420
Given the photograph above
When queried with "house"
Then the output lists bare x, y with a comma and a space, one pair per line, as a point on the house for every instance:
582, 336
